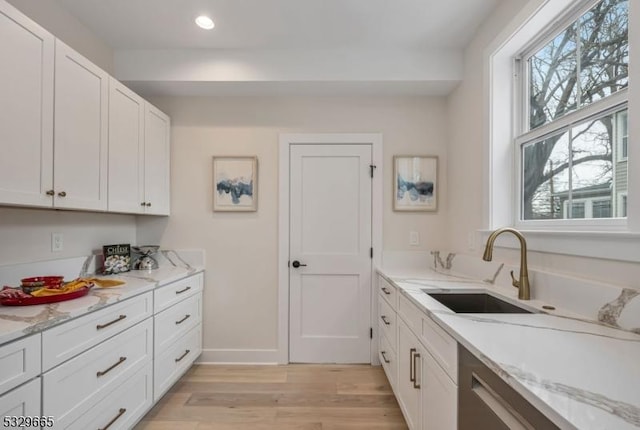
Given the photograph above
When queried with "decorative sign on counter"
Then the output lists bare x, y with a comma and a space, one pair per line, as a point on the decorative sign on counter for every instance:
117, 258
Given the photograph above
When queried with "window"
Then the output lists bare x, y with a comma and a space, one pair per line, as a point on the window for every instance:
573, 131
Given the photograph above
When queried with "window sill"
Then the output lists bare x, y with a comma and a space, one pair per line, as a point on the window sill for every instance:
608, 245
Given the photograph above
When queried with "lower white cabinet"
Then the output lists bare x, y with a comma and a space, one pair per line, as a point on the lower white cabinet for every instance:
175, 360
421, 365
23, 401
121, 407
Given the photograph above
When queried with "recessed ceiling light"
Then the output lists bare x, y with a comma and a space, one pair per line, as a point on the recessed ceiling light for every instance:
205, 22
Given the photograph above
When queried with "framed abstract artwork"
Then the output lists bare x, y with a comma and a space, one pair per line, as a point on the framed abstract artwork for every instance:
415, 183
235, 184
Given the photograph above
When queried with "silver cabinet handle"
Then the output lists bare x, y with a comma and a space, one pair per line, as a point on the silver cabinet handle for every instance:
110, 368
412, 378
415, 374
384, 357
186, 317
184, 290
384, 318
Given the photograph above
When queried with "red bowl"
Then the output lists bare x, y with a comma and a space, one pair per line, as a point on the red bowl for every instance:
43, 281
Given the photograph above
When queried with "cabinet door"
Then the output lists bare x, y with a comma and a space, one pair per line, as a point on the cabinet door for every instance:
156, 156
409, 369
126, 149
80, 136
439, 397
26, 110
21, 402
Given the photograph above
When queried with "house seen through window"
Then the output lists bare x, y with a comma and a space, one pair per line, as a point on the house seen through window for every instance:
573, 133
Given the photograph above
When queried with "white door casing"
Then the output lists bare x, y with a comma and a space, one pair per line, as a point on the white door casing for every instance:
330, 233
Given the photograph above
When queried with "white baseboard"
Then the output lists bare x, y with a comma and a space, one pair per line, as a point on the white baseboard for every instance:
239, 356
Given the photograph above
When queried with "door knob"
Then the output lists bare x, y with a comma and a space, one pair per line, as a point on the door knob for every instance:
297, 264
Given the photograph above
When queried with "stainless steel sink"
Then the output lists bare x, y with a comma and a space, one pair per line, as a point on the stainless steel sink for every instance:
476, 303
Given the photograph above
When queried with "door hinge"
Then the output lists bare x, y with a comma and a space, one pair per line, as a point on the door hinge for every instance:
370, 332
371, 168
371, 252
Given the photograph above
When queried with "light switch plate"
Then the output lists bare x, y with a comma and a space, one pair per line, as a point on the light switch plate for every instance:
414, 238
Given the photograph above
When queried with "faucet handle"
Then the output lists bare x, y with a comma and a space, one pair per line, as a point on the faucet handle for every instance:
515, 282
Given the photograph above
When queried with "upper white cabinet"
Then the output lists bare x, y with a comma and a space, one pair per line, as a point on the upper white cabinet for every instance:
138, 154
156, 161
126, 149
26, 110
71, 136
80, 132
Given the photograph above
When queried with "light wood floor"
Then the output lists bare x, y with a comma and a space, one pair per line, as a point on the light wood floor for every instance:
306, 397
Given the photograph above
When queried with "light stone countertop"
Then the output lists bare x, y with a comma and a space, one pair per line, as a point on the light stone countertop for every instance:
581, 374
19, 321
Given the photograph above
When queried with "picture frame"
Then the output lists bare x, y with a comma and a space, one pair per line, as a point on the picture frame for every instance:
415, 183
235, 183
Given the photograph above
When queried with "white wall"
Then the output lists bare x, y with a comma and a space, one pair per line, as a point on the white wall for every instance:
240, 304
25, 234
55, 19
468, 126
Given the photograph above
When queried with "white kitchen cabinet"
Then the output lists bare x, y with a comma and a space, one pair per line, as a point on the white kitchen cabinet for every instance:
20, 361
80, 132
24, 401
126, 149
26, 110
409, 375
439, 397
138, 154
157, 168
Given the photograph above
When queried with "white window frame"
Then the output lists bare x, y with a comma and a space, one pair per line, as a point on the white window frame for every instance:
610, 104
619, 240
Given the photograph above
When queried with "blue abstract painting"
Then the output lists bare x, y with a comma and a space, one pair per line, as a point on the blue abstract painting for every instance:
415, 183
235, 181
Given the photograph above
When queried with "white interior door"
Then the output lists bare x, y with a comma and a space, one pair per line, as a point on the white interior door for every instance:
330, 236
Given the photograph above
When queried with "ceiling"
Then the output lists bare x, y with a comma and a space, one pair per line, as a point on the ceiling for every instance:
249, 26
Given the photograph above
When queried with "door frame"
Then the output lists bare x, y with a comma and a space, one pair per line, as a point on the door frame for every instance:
286, 141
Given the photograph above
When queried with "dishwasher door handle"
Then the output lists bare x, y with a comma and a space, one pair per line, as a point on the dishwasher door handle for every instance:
498, 405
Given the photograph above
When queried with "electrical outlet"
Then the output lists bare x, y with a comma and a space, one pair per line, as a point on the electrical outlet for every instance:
414, 238
471, 241
56, 242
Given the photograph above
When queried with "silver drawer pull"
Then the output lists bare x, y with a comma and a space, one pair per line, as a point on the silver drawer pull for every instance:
498, 405
104, 372
114, 419
182, 291
183, 356
186, 317
384, 290
384, 318
385, 357
101, 326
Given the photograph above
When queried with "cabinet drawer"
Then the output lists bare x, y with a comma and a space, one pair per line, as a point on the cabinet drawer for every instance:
388, 291
176, 291
442, 347
387, 321
70, 339
122, 407
19, 361
173, 362
173, 323
410, 314
387, 356
88, 375
21, 402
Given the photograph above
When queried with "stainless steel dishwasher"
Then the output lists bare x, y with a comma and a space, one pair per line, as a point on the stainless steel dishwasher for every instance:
486, 402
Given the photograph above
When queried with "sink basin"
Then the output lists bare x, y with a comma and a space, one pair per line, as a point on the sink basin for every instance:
476, 303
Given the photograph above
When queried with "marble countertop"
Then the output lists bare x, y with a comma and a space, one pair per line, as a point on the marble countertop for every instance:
19, 321
581, 374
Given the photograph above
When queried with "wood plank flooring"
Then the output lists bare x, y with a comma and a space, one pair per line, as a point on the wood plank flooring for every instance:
297, 396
